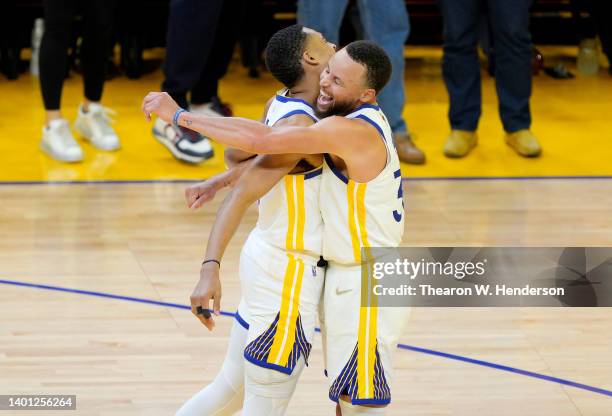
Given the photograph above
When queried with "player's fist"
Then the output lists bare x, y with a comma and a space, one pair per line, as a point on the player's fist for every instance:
200, 193
207, 290
161, 104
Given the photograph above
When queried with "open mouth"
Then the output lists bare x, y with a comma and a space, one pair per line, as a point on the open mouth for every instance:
324, 101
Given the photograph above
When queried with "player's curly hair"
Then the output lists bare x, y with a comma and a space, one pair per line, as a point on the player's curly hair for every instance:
284, 53
376, 61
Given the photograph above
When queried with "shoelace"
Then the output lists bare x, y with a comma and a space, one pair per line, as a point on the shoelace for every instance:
65, 135
103, 117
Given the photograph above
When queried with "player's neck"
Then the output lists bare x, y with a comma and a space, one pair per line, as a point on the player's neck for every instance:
307, 90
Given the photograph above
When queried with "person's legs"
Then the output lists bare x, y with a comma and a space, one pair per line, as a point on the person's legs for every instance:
349, 409
57, 140
93, 121
460, 65
188, 48
510, 24
189, 43
324, 16
224, 395
97, 31
53, 53
389, 27
267, 391
220, 56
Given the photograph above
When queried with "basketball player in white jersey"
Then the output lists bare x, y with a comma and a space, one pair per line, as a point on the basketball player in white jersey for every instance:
280, 280
361, 204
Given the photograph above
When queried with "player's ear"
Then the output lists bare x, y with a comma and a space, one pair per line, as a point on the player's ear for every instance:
368, 95
310, 59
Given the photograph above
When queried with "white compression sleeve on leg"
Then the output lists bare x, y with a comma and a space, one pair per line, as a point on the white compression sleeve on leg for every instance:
224, 396
267, 392
349, 409
255, 405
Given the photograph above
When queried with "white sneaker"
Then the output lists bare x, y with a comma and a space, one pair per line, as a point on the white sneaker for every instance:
95, 126
58, 142
215, 108
185, 144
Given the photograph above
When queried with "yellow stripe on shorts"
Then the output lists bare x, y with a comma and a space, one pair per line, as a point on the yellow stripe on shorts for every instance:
350, 193
290, 194
292, 283
368, 315
284, 338
301, 212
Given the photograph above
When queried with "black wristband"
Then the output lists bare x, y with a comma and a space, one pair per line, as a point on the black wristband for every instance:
211, 261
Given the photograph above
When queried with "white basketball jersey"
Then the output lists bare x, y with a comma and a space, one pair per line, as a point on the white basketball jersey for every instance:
289, 216
369, 214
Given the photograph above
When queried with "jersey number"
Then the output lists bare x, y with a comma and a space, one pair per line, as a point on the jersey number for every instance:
400, 194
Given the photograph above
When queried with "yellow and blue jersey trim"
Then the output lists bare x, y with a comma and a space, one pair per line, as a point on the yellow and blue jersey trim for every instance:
260, 351
350, 383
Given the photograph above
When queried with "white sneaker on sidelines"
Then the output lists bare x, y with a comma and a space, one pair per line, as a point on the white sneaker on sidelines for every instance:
204, 110
58, 142
185, 144
214, 108
95, 126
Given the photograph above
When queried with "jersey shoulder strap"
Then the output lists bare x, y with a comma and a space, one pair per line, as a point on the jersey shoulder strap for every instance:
283, 107
373, 115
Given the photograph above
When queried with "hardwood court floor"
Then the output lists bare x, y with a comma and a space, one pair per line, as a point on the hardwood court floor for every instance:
138, 240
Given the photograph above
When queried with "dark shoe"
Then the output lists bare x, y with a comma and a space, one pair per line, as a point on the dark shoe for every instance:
407, 150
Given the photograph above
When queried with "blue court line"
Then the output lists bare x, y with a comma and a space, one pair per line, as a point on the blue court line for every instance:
405, 178
400, 346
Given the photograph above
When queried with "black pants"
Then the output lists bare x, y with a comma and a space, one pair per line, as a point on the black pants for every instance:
461, 69
200, 43
97, 29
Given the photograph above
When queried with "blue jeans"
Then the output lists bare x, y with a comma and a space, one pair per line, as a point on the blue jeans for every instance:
384, 22
509, 21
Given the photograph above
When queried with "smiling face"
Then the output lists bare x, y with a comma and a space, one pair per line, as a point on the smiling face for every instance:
343, 86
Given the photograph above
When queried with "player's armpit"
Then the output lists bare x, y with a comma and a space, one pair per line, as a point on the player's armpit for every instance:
263, 173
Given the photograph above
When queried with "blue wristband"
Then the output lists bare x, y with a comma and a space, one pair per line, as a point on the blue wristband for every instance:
177, 114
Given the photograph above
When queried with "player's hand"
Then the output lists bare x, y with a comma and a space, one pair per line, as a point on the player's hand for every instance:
159, 103
200, 193
208, 289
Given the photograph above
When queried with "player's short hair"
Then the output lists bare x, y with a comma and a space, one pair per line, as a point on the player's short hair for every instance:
284, 54
374, 59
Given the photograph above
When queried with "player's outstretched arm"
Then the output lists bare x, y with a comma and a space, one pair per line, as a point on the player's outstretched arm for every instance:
257, 179
333, 135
